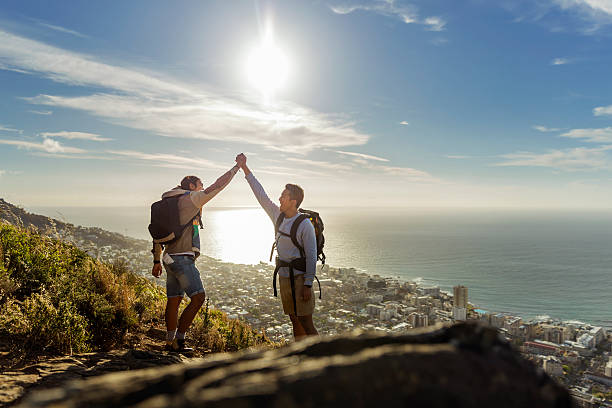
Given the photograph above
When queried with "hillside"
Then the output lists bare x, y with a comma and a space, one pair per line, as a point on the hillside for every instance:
98, 243
57, 300
54, 228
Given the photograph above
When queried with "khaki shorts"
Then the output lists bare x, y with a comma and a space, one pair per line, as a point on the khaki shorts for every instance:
304, 308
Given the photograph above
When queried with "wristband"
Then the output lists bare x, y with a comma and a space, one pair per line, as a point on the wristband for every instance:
156, 262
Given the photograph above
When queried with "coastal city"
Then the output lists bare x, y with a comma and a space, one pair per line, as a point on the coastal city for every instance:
578, 355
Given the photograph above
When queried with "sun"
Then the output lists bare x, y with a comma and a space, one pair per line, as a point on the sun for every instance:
268, 67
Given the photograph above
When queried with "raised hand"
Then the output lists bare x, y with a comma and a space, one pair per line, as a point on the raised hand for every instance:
241, 160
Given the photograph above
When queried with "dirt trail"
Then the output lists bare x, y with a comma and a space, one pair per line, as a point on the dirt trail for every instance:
18, 378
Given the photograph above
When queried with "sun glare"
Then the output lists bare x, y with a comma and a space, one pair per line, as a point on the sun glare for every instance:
268, 67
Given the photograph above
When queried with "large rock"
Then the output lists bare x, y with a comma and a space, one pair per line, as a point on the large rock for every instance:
15, 383
465, 365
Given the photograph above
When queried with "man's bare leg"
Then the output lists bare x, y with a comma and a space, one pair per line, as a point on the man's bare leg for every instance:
172, 307
308, 325
298, 331
191, 311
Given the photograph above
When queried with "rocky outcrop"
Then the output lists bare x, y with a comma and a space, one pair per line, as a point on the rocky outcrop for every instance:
14, 383
465, 365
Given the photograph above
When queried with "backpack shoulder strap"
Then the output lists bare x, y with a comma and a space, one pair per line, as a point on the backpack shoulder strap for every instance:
198, 216
294, 228
279, 221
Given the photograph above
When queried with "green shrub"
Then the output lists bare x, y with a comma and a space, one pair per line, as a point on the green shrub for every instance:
212, 330
59, 329
54, 298
13, 321
64, 300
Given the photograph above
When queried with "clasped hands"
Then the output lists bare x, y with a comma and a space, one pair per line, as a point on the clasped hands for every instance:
241, 160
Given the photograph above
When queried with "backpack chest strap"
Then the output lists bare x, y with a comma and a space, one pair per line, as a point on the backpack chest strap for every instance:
292, 233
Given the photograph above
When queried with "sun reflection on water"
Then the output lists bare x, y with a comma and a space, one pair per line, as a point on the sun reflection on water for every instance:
240, 235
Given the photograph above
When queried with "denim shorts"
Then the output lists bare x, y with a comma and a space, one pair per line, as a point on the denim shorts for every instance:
183, 277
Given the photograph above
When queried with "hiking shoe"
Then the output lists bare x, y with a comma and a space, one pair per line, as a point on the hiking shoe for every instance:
178, 346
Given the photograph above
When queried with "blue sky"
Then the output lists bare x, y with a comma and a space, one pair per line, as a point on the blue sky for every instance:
383, 103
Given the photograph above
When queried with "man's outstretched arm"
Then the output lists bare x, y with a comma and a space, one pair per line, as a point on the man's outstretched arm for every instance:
260, 194
200, 198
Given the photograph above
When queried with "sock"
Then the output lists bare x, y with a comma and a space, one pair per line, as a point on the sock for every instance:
180, 336
170, 334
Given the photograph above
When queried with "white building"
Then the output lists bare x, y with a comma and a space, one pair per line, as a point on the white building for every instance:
385, 315
553, 366
374, 310
433, 291
599, 335
459, 313
375, 298
586, 340
418, 320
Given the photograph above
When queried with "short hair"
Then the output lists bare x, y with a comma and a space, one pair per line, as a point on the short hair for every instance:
296, 193
187, 180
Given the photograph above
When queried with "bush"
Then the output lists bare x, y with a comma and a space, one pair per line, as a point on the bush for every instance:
213, 331
58, 328
54, 298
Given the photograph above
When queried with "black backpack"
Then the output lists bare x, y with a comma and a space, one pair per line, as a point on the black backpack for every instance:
299, 263
317, 223
165, 227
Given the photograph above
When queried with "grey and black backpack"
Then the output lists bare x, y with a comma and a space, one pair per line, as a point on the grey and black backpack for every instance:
299, 263
165, 227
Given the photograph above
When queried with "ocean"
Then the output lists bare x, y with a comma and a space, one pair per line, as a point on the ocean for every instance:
528, 263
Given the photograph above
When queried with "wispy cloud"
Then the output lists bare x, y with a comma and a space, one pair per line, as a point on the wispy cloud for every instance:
291, 171
167, 160
589, 6
12, 68
458, 156
584, 16
168, 107
47, 145
9, 129
602, 135
407, 173
541, 128
76, 135
407, 13
73, 156
362, 156
577, 159
320, 164
434, 23
603, 111
62, 29
39, 112
389, 8
77, 69
560, 61
404, 123
596, 13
